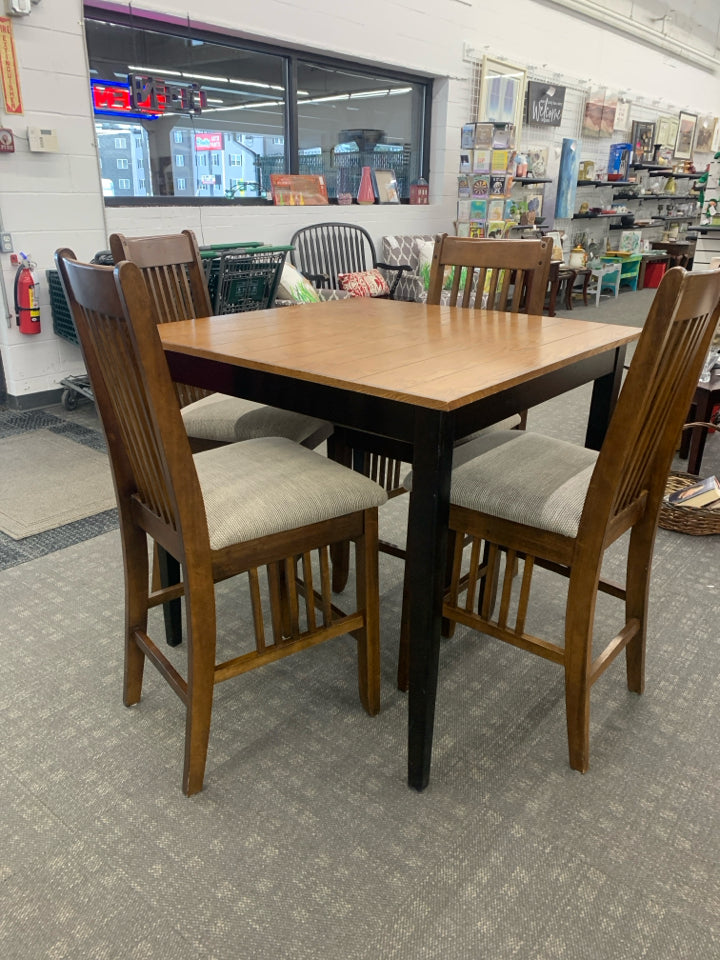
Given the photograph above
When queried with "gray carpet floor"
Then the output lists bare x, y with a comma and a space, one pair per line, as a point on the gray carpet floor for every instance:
306, 842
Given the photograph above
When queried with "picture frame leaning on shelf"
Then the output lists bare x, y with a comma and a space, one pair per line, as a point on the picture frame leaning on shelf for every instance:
502, 93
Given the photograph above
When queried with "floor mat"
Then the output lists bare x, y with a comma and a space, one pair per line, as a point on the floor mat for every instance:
69, 481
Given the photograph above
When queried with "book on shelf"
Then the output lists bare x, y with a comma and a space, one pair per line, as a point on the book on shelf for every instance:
465, 162
482, 160
500, 160
496, 209
477, 229
704, 493
463, 185
498, 185
462, 228
480, 185
477, 135
463, 208
478, 209
496, 228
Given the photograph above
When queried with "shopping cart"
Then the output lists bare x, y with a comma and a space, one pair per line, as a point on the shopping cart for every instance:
78, 386
243, 276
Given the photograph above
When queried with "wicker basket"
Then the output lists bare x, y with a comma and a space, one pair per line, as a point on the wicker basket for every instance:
697, 521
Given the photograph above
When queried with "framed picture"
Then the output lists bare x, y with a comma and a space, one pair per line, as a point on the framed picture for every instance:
502, 93
643, 141
667, 128
705, 134
685, 135
622, 116
386, 185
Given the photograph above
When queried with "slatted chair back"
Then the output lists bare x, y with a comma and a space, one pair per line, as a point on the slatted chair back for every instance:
323, 251
629, 479
173, 271
147, 442
507, 275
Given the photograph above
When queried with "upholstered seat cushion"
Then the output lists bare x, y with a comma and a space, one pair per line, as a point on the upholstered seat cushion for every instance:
229, 419
264, 486
527, 478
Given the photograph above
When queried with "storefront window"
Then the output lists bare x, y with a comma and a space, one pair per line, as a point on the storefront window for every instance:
190, 117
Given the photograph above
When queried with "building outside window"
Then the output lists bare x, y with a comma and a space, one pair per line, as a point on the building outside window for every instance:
194, 95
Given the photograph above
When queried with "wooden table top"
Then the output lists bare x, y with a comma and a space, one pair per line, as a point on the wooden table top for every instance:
432, 356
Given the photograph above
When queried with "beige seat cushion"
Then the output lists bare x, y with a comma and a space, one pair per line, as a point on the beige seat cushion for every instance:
260, 487
229, 419
527, 478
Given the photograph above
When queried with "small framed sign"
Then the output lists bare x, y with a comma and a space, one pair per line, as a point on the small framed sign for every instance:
545, 104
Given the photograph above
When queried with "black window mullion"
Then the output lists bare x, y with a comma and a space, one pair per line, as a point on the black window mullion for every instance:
291, 116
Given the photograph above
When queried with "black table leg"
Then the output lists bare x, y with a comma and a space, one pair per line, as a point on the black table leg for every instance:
604, 397
172, 611
427, 539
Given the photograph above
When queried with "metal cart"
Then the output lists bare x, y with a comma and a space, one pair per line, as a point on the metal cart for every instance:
64, 326
243, 276
240, 276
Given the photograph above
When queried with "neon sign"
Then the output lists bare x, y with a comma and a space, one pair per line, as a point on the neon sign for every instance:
146, 97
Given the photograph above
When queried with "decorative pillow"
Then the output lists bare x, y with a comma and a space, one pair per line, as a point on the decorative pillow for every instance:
295, 287
370, 283
425, 249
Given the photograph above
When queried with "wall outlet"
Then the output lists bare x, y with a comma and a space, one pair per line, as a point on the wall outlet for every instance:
6, 244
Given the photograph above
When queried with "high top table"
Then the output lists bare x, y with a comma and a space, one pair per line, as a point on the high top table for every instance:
418, 376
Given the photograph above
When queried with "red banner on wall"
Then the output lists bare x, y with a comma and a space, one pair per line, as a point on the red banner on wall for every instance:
9, 68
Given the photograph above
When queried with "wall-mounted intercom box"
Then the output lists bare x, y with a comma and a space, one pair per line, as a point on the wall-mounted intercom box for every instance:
42, 140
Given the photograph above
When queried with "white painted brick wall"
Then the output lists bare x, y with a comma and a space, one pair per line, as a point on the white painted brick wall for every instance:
49, 200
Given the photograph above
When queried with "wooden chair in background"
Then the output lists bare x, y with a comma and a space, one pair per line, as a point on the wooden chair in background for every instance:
174, 274
541, 502
264, 502
173, 270
510, 276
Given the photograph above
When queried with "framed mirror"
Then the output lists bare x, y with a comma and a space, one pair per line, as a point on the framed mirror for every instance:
502, 93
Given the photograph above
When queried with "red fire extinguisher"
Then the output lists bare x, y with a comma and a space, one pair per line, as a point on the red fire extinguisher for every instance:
27, 307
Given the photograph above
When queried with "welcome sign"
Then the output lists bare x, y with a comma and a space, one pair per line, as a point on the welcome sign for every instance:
545, 104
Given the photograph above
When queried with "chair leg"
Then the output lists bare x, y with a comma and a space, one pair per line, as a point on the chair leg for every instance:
368, 599
578, 653
201, 637
637, 589
136, 609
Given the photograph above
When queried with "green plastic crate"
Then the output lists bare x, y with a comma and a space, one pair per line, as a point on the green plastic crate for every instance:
63, 324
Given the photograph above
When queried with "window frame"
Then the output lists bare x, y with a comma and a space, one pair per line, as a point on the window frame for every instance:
290, 57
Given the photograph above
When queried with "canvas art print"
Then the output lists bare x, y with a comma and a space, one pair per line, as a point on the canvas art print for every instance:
705, 134
567, 179
667, 128
622, 115
599, 117
685, 136
537, 158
